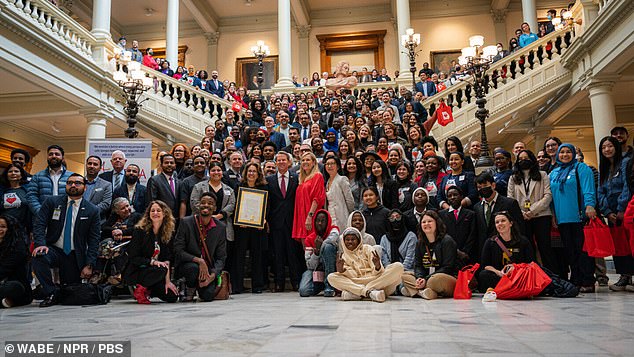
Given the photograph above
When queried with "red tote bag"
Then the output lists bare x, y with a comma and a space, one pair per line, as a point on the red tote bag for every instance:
597, 239
524, 281
621, 241
444, 114
465, 275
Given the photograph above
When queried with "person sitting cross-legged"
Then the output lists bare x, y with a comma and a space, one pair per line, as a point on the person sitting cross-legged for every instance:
320, 251
360, 272
200, 248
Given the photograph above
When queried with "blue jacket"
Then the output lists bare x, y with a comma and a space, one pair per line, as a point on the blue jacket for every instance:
526, 40
465, 181
610, 194
431, 88
41, 187
566, 202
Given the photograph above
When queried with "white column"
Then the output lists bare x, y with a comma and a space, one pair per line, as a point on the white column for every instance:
285, 80
402, 23
304, 52
529, 12
96, 119
101, 30
603, 111
212, 50
171, 35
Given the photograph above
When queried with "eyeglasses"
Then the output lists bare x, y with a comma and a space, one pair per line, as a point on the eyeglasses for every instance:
74, 183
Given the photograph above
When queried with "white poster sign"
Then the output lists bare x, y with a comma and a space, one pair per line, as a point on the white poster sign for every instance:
137, 151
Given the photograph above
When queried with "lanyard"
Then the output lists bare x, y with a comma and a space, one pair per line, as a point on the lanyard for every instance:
527, 185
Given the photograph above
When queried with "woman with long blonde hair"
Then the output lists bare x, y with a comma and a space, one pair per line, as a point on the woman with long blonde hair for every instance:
309, 197
149, 255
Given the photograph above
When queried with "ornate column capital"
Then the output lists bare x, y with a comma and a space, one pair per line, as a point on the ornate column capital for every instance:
303, 30
212, 37
498, 16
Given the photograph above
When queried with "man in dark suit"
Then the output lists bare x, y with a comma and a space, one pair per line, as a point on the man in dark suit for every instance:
216, 146
66, 235
201, 265
133, 190
281, 206
461, 226
115, 176
428, 88
165, 186
233, 175
98, 191
491, 203
214, 85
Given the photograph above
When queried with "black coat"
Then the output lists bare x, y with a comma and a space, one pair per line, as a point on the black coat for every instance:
140, 251
158, 188
492, 254
139, 201
86, 237
464, 231
502, 204
109, 225
14, 262
187, 244
280, 211
376, 221
445, 252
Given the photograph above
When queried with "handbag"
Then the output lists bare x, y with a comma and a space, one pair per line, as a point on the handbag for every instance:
84, 294
597, 240
236, 107
525, 280
620, 240
444, 115
465, 275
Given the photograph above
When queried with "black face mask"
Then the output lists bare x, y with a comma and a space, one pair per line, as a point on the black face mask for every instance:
259, 139
395, 225
525, 164
485, 192
130, 180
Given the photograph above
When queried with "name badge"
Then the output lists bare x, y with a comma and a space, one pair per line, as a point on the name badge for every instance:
98, 189
527, 204
57, 213
461, 178
82, 218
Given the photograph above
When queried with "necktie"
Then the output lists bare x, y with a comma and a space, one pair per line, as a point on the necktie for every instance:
305, 134
68, 227
283, 186
455, 213
117, 180
487, 212
172, 186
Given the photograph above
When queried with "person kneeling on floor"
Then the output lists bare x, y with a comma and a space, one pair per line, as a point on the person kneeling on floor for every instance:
360, 272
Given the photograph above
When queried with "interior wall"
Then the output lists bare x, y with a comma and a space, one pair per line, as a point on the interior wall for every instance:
196, 54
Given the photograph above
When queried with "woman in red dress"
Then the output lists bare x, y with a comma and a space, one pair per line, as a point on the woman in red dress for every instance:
310, 196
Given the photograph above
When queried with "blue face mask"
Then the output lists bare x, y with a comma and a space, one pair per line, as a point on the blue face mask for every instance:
549, 17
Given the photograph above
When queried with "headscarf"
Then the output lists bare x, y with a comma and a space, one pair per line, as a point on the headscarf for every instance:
328, 146
396, 237
564, 169
367, 238
420, 189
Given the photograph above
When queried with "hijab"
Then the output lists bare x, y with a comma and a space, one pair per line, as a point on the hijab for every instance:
328, 146
395, 234
564, 169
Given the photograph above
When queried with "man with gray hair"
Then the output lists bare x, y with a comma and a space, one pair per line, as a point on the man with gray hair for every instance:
116, 175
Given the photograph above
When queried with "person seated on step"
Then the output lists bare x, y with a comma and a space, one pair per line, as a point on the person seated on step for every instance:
360, 272
200, 248
15, 289
320, 251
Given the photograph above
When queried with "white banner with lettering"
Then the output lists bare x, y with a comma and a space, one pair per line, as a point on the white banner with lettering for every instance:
137, 151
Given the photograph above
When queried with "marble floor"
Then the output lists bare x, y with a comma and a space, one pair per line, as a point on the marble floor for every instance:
598, 324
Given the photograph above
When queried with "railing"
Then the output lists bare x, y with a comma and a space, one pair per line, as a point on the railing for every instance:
47, 16
603, 4
507, 69
185, 95
297, 90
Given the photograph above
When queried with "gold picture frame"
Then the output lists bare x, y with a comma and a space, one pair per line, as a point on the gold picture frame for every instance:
247, 68
251, 208
440, 61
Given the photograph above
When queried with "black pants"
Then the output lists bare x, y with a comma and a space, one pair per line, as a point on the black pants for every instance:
15, 291
287, 251
538, 231
56, 258
189, 271
487, 279
252, 240
581, 265
153, 278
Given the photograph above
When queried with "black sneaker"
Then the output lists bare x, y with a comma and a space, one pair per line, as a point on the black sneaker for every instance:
620, 285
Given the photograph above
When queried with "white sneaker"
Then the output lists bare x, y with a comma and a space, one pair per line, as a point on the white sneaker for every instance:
404, 291
6, 303
429, 294
377, 295
348, 296
489, 296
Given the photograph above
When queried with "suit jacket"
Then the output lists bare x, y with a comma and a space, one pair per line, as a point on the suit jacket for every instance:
232, 179
464, 231
213, 89
280, 210
138, 201
158, 188
501, 204
431, 88
187, 244
216, 146
108, 177
86, 233
278, 139
101, 196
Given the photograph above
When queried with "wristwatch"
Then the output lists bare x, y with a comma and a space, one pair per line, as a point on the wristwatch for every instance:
310, 214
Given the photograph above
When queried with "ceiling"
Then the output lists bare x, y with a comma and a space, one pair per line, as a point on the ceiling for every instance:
128, 12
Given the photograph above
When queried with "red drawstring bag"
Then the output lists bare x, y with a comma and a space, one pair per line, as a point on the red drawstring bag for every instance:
443, 113
465, 275
628, 223
523, 281
236, 107
621, 241
597, 240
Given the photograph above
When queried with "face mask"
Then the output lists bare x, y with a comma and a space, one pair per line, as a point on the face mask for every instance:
549, 17
485, 192
259, 139
525, 164
395, 225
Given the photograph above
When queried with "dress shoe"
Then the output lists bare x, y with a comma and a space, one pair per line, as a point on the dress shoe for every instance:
50, 300
257, 291
7, 303
278, 289
141, 294
329, 293
586, 289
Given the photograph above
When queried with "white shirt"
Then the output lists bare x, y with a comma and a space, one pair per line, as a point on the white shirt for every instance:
286, 178
55, 176
60, 241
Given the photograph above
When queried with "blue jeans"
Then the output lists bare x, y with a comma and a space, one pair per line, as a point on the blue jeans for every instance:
327, 258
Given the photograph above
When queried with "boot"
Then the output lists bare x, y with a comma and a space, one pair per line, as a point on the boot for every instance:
190, 295
141, 294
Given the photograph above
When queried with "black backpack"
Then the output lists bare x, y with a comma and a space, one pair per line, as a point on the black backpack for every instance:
559, 287
85, 294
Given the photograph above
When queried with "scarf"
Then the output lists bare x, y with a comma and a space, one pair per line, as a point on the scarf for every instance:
564, 169
328, 146
396, 238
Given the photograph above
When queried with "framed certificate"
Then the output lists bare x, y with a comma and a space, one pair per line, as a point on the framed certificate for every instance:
250, 208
